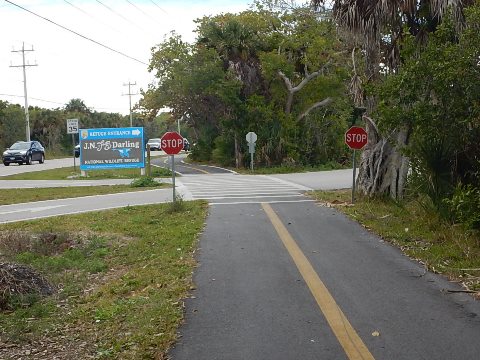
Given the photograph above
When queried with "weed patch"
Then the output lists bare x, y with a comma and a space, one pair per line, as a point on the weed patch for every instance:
145, 181
120, 282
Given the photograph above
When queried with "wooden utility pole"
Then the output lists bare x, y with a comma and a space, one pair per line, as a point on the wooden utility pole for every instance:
24, 66
130, 98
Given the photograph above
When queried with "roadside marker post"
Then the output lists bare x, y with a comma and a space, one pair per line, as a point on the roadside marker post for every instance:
251, 138
149, 158
172, 143
355, 138
72, 128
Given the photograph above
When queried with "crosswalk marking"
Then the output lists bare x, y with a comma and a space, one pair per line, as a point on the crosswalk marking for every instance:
240, 188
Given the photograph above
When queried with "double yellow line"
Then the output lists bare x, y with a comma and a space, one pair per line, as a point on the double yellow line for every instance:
343, 330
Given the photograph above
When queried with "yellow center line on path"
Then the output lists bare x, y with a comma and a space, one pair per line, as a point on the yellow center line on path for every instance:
343, 330
194, 168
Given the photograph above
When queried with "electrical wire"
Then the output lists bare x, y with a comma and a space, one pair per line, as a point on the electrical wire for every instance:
59, 103
78, 34
76, 7
120, 15
21, 96
154, 3
143, 12
91, 16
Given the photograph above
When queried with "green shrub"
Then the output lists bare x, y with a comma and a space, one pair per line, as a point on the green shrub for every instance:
144, 181
465, 205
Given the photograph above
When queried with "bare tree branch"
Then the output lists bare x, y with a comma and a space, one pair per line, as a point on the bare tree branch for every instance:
293, 89
324, 102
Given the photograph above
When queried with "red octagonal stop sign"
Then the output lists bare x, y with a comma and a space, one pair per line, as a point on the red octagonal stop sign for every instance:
356, 138
171, 142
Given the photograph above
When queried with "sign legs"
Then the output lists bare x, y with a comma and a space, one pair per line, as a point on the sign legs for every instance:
354, 175
73, 143
172, 159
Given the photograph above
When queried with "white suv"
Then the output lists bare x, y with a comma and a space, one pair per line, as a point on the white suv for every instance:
154, 144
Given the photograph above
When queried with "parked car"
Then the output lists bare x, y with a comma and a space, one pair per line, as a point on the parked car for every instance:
77, 150
24, 152
154, 144
186, 145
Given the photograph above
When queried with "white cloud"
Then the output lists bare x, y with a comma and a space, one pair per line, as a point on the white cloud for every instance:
72, 67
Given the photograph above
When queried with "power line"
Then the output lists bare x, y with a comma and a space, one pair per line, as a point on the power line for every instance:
76, 7
60, 103
47, 101
91, 16
120, 15
143, 12
78, 34
154, 3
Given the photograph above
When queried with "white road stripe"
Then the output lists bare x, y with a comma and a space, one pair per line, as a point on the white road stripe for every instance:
248, 197
260, 202
32, 210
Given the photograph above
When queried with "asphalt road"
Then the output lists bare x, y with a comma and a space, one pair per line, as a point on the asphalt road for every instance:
13, 169
42, 209
280, 277
183, 168
257, 300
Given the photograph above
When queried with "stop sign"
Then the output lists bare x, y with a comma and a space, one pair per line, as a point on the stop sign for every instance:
356, 138
171, 142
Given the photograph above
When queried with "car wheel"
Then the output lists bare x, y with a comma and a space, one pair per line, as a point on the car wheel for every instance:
42, 159
28, 161
6, 164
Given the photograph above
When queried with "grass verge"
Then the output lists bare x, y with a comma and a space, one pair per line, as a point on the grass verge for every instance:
67, 173
440, 246
121, 276
17, 196
290, 169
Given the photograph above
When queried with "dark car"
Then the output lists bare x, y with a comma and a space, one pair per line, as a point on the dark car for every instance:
186, 145
77, 151
24, 152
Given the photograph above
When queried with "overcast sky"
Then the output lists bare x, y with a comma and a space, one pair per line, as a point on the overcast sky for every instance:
70, 66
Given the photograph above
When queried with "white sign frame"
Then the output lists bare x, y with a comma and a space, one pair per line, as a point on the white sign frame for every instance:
72, 126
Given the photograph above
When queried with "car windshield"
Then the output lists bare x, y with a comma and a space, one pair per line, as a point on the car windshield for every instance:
20, 146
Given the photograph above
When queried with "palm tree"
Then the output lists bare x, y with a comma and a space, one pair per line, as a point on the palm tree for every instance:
237, 45
379, 25
77, 105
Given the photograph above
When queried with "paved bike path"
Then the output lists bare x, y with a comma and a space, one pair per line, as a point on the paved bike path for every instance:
252, 302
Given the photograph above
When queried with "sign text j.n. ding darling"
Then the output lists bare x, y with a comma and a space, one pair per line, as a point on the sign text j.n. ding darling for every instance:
111, 148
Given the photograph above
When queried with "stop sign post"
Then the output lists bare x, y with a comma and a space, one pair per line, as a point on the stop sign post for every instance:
355, 138
172, 143
251, 138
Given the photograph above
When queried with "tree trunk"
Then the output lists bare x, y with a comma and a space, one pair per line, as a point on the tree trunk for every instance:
383, 167
238, 153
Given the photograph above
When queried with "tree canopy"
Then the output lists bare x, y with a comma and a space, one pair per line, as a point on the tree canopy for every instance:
280, 73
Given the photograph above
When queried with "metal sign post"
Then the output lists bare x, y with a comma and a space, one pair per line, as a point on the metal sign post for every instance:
172, 143
251, 138
172, 159
72, 128
354, 175
355, 138
73, 143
